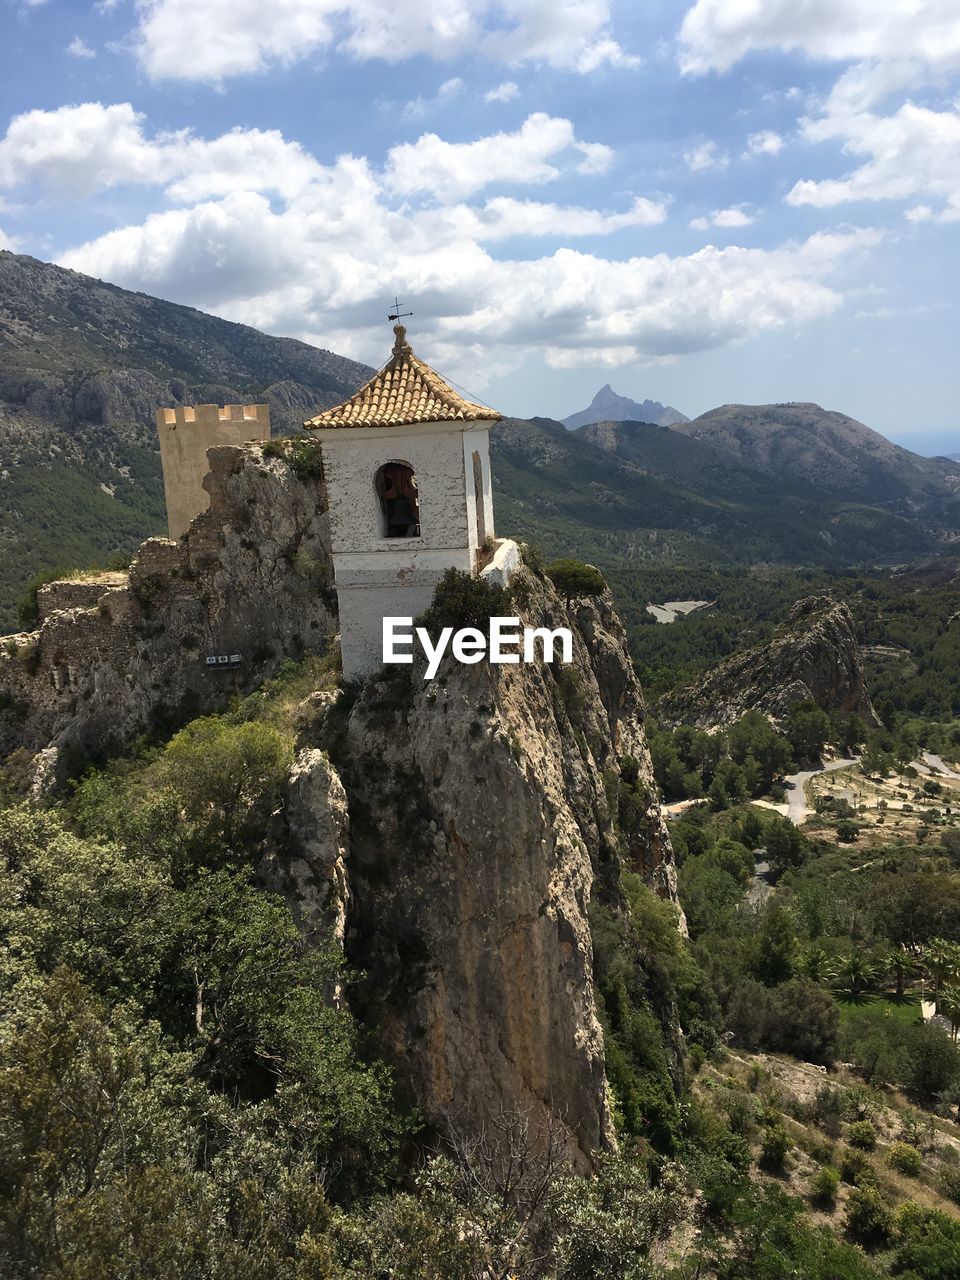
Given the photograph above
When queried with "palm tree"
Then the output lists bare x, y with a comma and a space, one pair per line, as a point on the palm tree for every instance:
902, 964
857, 972
818, 965
941, 959
949, 1005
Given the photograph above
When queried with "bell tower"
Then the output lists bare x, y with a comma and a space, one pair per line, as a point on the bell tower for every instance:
406, 463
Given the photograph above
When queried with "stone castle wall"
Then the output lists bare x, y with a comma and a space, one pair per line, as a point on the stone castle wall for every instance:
186, 433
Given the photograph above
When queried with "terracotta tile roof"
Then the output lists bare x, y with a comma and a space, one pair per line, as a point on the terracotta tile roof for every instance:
405, 391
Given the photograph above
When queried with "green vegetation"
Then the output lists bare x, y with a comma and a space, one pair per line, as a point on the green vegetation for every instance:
574, 579
63, 520
461, 600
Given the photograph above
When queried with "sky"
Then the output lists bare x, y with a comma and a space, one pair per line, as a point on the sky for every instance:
698, 202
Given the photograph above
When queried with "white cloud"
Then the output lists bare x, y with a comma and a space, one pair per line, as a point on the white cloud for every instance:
418, 107
318, 257
767, 142
240, 37
320, 263
7, 242
453, 170
504, 217
704, 156
92, 147
504, 92
891, 46
78, 48
728, 219
716, 34
913, 153
296, 272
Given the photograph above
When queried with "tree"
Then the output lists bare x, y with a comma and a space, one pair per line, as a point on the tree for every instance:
808, 728
857, 971
902, 964
776, 947
869, 1219
574, 579
941, 959
948, 1003
807, 1022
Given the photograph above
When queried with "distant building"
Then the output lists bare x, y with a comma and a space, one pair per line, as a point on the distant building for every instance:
406, 464
186, 433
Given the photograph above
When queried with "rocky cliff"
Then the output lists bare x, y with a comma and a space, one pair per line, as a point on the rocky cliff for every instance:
482, 817
118, 654
814, 655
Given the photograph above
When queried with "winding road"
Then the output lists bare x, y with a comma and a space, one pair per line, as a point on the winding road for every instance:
796, 784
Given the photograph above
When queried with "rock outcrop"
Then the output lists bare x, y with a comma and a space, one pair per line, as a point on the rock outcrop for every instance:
446, 836
482, 817
814, 655
119, 654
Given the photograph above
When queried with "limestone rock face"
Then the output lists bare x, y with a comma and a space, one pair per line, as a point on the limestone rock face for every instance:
814, 655
480, 820
311, 872
123, 653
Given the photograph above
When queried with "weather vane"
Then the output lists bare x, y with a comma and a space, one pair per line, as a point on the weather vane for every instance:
397, 313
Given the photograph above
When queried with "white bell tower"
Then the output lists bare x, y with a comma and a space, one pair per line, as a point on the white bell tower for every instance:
406, 462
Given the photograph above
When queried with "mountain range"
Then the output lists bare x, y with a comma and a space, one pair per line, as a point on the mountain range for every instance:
607, 406
84, 365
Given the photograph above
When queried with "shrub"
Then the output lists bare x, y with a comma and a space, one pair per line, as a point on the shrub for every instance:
862, 1134
928, 1243
774, 1146
856, 1169
461, 600
696, 1057
950, 1183
828, 1109
574, 579
905, 1159
824, 1185
868, 1217
306, 460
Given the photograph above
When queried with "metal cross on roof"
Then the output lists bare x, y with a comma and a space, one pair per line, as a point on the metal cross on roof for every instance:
396, 314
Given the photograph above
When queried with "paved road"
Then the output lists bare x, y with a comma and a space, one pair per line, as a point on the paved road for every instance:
797, 809
935, 762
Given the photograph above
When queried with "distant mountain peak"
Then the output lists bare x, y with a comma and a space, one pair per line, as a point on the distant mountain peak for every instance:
607, 406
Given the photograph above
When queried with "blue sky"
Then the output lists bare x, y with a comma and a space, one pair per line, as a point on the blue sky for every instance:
702, 202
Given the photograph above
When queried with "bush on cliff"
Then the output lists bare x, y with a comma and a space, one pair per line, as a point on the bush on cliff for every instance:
574, 579
460, 600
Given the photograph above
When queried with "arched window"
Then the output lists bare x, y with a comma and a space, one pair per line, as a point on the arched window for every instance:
396, 488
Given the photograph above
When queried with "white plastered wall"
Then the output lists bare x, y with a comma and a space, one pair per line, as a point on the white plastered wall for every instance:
378, 577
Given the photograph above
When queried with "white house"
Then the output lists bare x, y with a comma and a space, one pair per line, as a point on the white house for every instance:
406, 464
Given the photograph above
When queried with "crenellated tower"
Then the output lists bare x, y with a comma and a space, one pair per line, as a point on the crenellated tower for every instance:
186, 433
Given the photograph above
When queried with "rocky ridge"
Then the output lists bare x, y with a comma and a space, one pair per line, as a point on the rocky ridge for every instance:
814, 655
607, 406
119, 654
